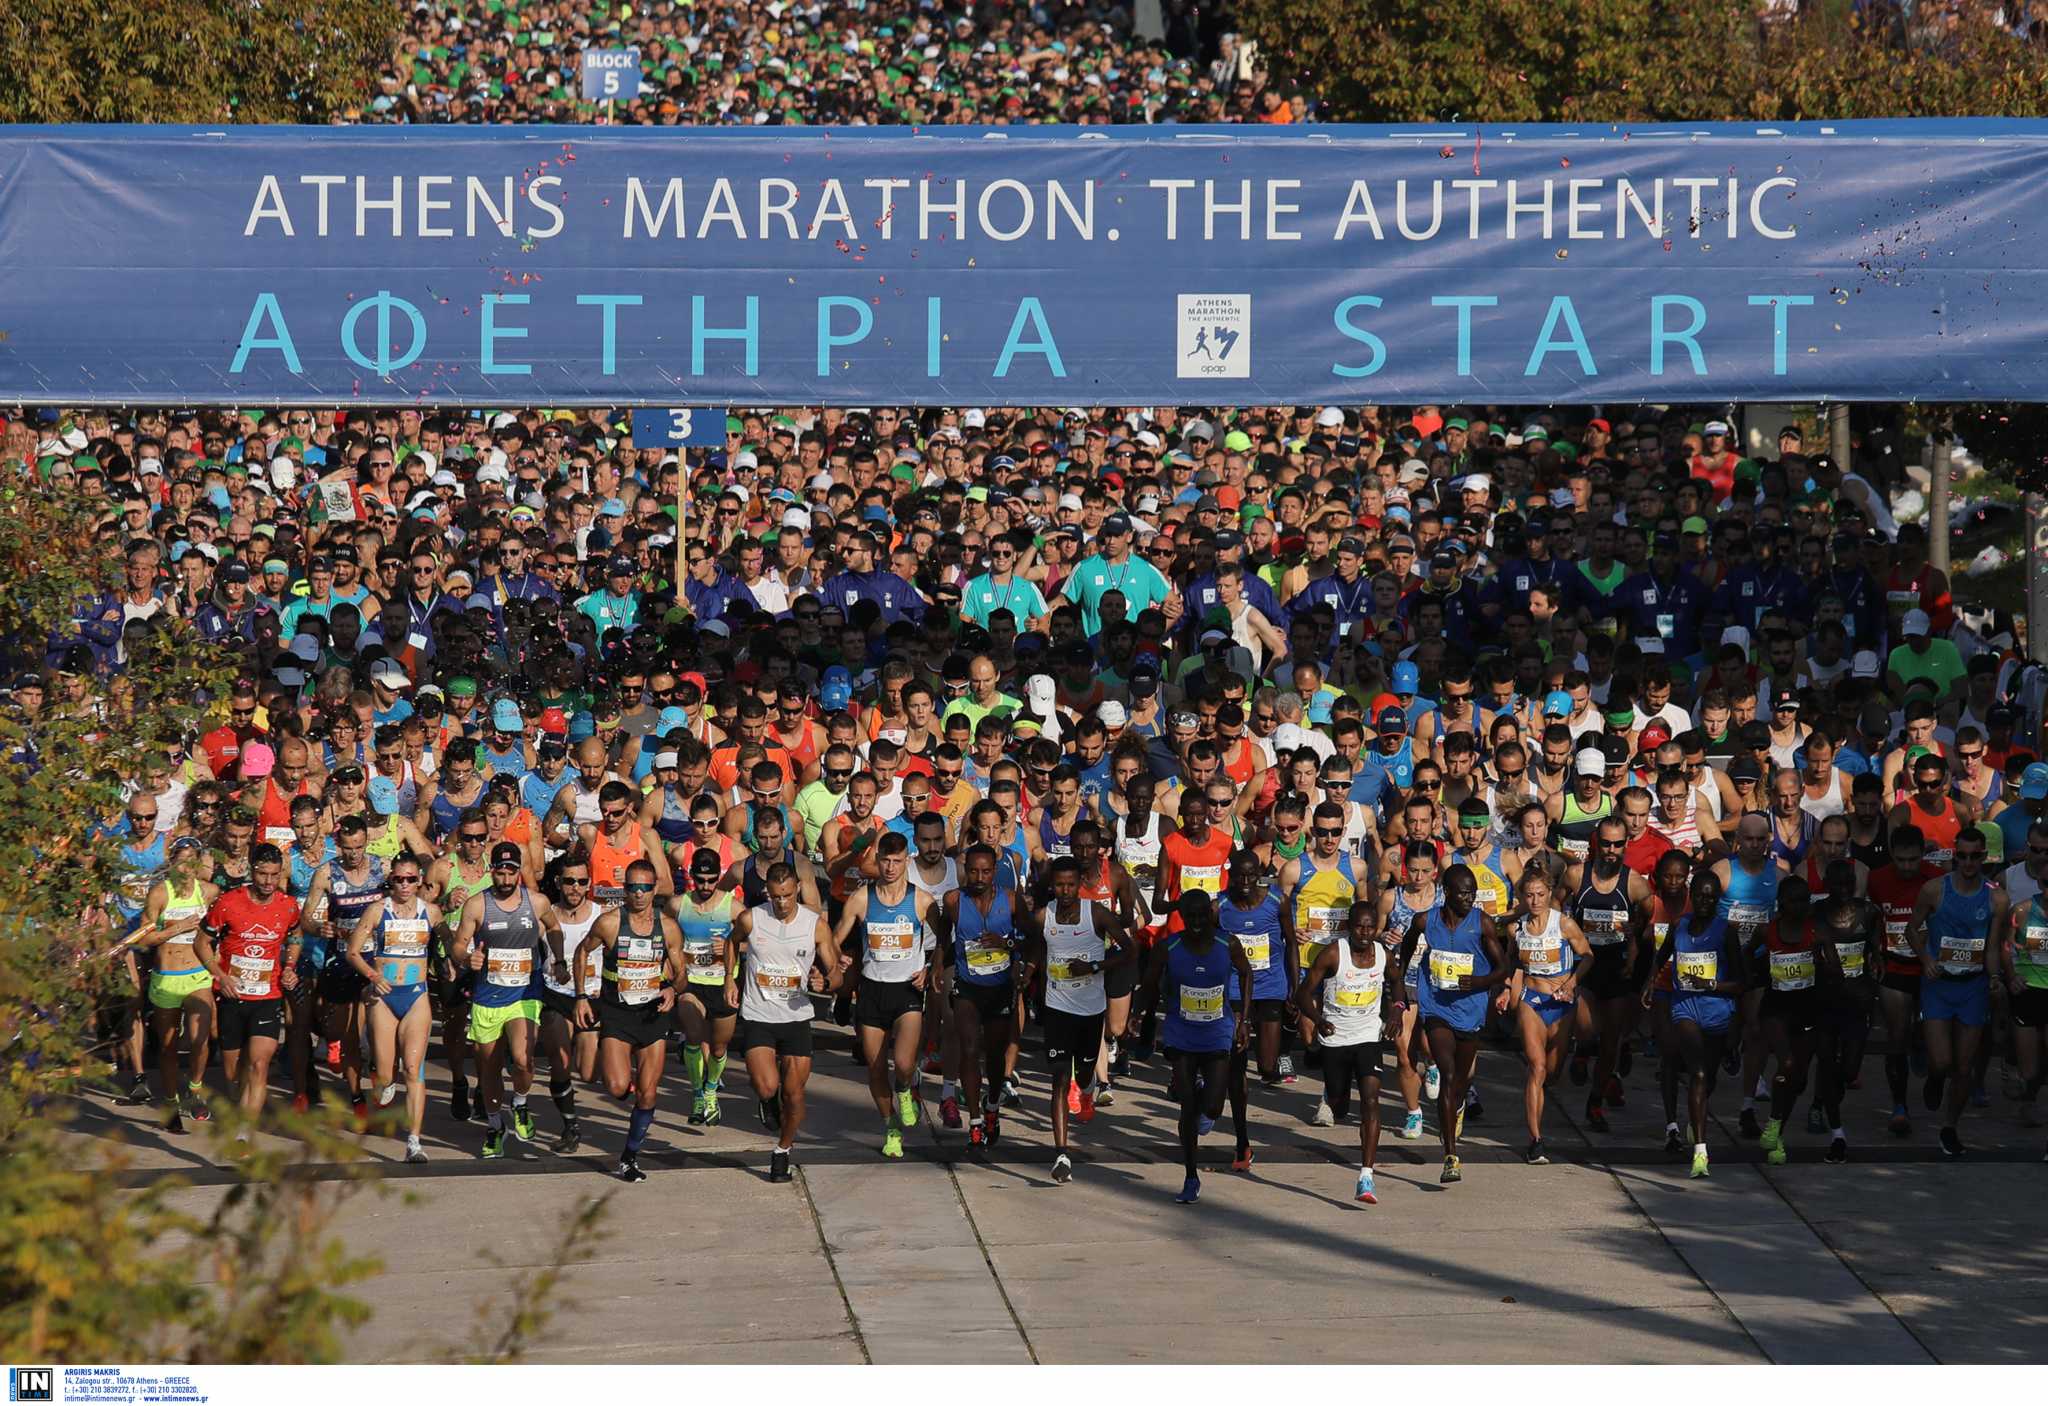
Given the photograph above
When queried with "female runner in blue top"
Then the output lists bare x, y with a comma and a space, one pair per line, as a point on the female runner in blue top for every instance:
1708, 981
388, 949
1462, 975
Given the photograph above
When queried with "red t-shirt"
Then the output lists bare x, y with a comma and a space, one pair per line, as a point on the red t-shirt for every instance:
1644, 851
1197, 866
251, 941
1895, 894
223, 748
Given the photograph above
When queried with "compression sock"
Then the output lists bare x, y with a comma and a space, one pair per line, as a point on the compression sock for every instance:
636, 1130
693, 1065
565, 1102
714, 1072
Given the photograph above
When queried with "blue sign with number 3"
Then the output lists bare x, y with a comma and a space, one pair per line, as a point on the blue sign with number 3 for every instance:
679, 429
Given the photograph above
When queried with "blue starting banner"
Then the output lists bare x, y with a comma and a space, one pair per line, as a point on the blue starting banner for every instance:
1878, 260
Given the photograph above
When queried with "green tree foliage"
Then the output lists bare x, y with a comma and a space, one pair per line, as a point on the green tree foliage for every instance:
100, 1262
190, 60
1621, 61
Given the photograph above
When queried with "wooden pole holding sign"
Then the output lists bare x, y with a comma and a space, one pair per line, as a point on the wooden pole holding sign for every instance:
679, 430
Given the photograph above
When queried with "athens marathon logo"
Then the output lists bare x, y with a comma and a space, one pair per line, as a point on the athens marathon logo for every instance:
1215, 336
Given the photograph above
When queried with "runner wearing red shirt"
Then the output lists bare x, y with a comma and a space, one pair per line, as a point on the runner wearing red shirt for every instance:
222, 747
1196, 856
1894, 888
250, 944
1645, 845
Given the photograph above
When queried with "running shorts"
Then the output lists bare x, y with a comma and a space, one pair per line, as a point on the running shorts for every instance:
881, 1004
992, 1003
553, 1002
1548, 1008
1908, 982
1347, 1066
711, 996
169, 990
1964, 1000
790, 1039
1799, 1010
487, 1023
638, 1026
1610, 979
1072, 1037
1120, 980
2030, 1008
237, 1022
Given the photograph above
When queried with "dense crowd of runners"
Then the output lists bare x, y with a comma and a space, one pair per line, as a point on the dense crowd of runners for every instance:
1270, 745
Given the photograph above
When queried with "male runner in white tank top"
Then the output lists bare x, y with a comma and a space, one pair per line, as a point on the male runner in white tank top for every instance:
789, 954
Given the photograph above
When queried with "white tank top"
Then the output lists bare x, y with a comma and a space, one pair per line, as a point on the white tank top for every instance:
1354, 828
1139, 854
1066, 943
1543, 949
936, 891
779, 957
1821, 807
1351, 998
1713, 795
573, 934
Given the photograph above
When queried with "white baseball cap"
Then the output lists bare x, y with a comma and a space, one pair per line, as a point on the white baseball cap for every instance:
1591, 761
1112, 713
1915, 623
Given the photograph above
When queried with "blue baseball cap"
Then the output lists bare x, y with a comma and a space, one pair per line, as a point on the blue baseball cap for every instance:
835, 689
671, 719
383, 795
1393, 720
1558, 705
2034, 782
1407, 678
505, 716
